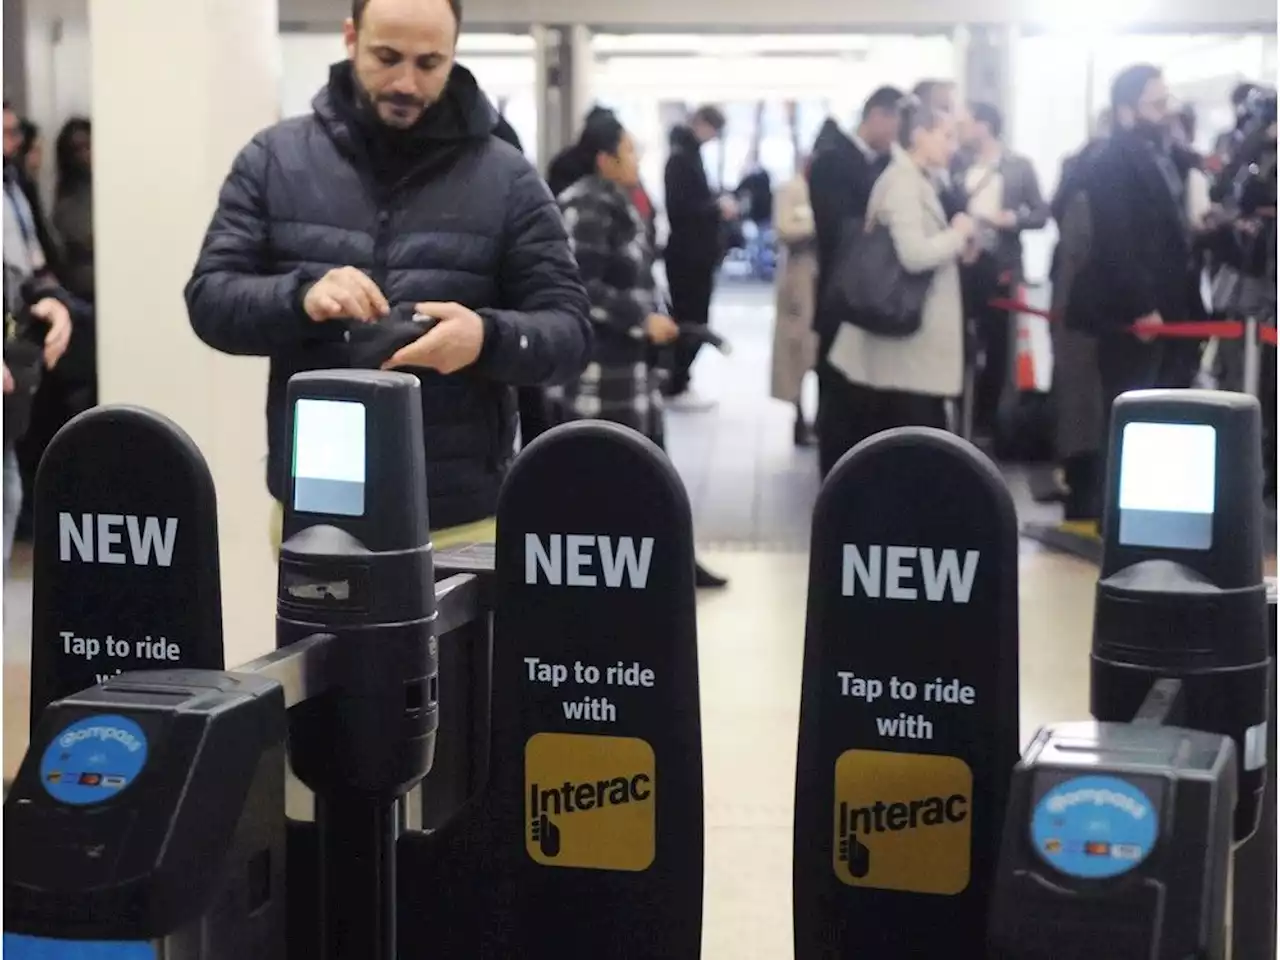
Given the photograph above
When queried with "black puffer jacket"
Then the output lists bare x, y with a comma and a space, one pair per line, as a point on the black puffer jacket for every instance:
465, 219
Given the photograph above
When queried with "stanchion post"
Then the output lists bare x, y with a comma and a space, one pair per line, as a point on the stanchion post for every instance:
1252, 357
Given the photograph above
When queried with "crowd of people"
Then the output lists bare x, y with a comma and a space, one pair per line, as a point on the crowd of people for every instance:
405, 195
50, 371
1139, 231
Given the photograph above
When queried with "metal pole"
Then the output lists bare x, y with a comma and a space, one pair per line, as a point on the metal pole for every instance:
357, 878
1253, 905
1252, 357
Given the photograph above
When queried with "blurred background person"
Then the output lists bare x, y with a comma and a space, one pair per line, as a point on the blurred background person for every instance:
1140, 247
73, 205
795, 344
37, 310
841, 176
1003, 196
613, 246
907, 381
694, 247
28, 166
1080, 423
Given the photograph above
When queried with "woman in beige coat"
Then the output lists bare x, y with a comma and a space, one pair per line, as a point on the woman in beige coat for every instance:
906, 381
794, 342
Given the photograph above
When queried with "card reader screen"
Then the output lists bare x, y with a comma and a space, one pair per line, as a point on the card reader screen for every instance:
1168, 475
329, 457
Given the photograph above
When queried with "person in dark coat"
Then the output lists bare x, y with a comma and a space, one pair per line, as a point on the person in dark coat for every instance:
843, 171
394, 198
694, 248
1141, 237
535, 418
73, 206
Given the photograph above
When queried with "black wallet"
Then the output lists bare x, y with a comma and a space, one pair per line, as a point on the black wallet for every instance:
373, 344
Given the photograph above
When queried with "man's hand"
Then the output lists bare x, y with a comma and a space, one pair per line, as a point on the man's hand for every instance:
729, 208
9, 385
345, 292
1145, 327
1005, 220
449, 346
660, 329
964, 225
55, 314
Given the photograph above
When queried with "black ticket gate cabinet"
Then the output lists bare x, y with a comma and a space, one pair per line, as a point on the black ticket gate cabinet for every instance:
584, 834
1118, 846
146, 823
139, 797
909, 707
1120, 837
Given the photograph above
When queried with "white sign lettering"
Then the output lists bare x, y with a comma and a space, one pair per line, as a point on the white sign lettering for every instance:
101, 538
889, 572
582, 560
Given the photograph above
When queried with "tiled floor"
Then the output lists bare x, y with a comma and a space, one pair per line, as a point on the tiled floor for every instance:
752, 494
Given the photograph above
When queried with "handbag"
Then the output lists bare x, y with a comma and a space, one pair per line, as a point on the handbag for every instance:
871, 289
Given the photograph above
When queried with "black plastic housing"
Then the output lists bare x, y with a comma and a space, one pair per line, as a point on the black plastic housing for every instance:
192, 853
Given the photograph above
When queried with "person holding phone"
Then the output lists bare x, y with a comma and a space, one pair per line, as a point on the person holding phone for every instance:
394, 197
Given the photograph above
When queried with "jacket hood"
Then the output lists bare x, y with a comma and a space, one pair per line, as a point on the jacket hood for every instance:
463, 112
830, 136
683, 138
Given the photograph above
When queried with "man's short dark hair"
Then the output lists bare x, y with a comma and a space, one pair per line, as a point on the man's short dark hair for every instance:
1240, 93
1130, 83
884, 99
712, 116
357, 10
988, 114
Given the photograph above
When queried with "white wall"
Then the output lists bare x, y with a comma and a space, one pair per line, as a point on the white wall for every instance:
178, 89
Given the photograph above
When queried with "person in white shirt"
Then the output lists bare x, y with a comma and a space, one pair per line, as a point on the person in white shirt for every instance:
1002, 194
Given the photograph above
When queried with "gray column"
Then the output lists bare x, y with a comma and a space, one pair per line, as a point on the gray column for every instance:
986, 62
563, 53
15, 53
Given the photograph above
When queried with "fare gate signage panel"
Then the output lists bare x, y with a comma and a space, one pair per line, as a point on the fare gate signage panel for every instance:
587, 839
909, 710
125, 556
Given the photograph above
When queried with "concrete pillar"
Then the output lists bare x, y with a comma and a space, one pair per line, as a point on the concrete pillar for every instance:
987, 68
178, 89
15, 53
563, 84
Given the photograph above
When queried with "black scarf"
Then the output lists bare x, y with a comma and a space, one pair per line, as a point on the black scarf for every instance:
393, 153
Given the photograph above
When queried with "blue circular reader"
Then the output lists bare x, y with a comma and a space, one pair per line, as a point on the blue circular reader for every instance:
1094, 828
93, 760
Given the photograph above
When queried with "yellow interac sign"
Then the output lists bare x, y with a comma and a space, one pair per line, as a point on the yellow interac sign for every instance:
903, 821
589, 801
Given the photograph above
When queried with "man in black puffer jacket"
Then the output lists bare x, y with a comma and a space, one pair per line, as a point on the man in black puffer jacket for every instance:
395, 198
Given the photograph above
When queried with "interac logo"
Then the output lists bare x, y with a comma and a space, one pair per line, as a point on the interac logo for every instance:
589, 801
902, 821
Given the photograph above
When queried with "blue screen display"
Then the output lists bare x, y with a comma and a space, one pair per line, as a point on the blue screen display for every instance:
18, 946
93, 760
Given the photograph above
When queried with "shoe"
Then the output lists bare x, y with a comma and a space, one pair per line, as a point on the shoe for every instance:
704, 579
690, 402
